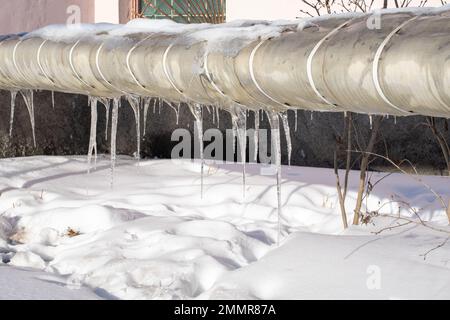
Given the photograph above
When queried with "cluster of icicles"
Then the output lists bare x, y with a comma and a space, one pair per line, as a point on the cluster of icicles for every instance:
143, 104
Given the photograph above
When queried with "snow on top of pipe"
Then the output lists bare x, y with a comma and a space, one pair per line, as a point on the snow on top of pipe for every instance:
71, 32
228, 38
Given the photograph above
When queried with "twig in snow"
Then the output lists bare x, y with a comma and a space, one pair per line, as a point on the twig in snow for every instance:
392, 227
424, 255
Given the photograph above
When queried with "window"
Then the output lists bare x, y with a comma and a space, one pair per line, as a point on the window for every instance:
184, 11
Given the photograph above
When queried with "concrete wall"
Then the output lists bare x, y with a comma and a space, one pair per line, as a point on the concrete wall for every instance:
27, 15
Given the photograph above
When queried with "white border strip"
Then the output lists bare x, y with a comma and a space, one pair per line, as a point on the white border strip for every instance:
129, 65
73, 67
1, 71
310, 59
38, 58
166, 70
252, 75
16, 65
208, 75
97, 63
376, 63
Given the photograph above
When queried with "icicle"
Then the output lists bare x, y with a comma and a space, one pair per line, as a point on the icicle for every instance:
296, 119
395, 119
134, 104
176, 110
312, 115
147, 101
256, 137
213, 115
178, 113
287, 132
234, 131
276, 148
370, 121
218, 116
154, 104
160, 104
114, 121
28, 97
107, 104
53, 100
239, 118
93, 134
13, 106
197, 112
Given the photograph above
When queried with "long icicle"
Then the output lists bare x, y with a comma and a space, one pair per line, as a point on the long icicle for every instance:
28, 97
114, 122
287, 132
256, 136
107, 104
175, 109
218, 116
135, 105
239, 117
93, 133
53, 100
147, 101
296, 119
276, 149
13, 106
197, 112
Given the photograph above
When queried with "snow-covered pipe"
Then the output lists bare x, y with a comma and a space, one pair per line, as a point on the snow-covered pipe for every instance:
333, 63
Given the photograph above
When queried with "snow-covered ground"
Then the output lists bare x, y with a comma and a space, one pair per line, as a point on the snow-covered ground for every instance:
153, 237
26, 284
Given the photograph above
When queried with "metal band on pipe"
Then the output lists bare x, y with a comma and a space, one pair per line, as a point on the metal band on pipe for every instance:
252, 74
310, 59
208, 75
16, 65
376, 63
97, 63
38, 58
13, 86
129, 66
166, 70
73, 67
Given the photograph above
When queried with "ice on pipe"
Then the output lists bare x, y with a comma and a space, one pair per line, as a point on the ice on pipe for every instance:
93, 133
107, 104
11, 117
146, 102
274, 121
229, 38
197, 112
28, 97
114, 123
135, 104
239, 120
72, 32
256, 136
287, 132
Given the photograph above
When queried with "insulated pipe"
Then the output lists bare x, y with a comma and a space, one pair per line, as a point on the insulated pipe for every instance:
334, 63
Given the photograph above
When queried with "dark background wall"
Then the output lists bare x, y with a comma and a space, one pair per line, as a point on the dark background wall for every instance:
65, 131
